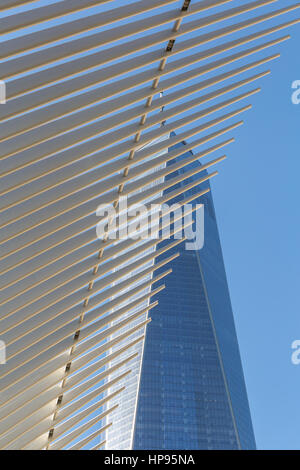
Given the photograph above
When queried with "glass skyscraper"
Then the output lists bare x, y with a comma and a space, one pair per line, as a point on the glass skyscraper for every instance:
93, 90
192, 392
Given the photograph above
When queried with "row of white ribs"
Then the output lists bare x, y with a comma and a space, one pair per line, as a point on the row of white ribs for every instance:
78, 118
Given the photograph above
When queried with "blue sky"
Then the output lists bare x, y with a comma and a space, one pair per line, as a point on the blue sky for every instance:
257, 202
256, 198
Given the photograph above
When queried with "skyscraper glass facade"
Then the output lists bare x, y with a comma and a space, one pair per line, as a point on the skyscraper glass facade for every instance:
192, 391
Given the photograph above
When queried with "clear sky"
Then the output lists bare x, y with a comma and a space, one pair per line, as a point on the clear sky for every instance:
256, 198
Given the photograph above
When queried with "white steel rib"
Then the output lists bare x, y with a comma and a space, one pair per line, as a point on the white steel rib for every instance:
94, 93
